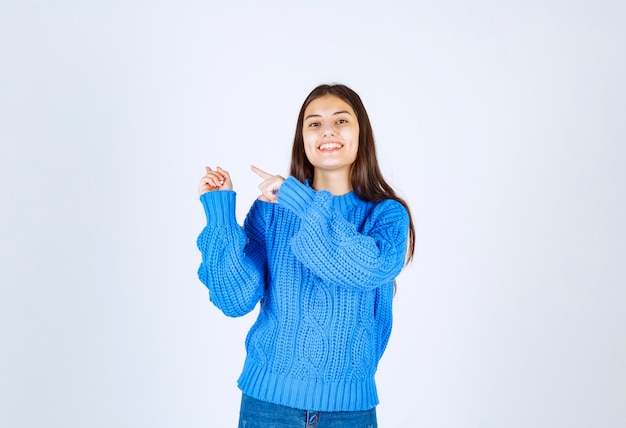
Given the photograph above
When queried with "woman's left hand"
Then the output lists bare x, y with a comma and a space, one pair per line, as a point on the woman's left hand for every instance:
270, 185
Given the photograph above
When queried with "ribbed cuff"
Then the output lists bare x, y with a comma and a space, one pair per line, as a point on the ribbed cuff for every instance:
219, 206
295, 196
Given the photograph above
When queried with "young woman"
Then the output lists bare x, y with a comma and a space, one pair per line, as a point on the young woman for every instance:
320, 252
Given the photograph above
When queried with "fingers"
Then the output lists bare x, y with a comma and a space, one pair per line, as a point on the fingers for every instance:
269, 191
224, 174
206, 185
258, 171
217, 179
269, 186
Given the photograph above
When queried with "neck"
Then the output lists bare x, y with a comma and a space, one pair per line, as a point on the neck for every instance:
336, 182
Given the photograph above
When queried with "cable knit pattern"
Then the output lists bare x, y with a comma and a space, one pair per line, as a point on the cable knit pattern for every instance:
322, 268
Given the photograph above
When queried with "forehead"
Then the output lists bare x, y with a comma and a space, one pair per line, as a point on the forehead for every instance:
328, 105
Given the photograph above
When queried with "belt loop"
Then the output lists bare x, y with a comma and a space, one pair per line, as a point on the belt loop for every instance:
312, 419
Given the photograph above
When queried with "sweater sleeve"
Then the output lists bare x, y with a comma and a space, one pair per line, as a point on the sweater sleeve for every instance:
335, 250
233, 264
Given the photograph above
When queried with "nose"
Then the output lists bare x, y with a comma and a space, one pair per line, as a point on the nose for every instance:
328, 130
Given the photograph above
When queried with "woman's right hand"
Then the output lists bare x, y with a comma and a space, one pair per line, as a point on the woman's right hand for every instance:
215, 180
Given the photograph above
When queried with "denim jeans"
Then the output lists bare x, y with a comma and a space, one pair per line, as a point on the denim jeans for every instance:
260, 414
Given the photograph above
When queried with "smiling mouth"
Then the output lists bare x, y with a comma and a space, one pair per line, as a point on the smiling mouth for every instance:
330, 146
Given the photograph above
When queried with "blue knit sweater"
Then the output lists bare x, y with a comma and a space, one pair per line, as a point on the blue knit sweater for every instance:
323, 269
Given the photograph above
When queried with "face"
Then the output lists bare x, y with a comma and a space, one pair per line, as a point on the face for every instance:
331, 134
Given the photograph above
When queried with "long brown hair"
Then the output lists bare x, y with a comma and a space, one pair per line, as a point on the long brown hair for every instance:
366, 179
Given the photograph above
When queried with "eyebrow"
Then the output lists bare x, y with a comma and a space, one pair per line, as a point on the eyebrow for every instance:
334, 114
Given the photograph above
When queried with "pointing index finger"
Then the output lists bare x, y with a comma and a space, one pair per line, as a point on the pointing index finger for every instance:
258, 171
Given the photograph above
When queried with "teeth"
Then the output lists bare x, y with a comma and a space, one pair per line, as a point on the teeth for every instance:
329, 146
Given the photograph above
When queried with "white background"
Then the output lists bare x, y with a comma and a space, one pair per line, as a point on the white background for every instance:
501, 122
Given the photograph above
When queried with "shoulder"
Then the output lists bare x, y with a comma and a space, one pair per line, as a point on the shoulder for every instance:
389, 211
391, 206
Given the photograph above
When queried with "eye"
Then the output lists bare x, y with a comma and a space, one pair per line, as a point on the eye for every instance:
342, 121
313, 124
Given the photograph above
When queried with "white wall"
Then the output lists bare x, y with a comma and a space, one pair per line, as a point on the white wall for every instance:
502, 123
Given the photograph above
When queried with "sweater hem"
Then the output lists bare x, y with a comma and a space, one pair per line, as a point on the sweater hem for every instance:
319, 396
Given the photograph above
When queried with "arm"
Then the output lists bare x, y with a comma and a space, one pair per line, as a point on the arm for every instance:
233, 264
335, 250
